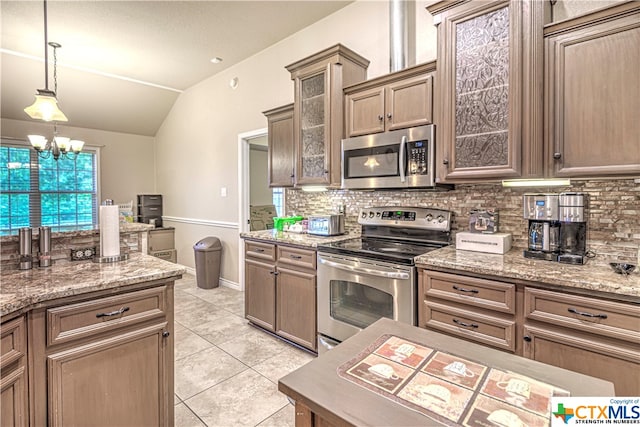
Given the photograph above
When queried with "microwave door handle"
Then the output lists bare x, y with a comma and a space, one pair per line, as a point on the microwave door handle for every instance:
403, 149
369, 271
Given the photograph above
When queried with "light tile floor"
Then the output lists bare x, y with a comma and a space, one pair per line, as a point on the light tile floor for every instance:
226, 372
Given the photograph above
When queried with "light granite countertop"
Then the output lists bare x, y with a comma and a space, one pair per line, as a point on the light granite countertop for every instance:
589, 277
57, 232
22, 289
297, 239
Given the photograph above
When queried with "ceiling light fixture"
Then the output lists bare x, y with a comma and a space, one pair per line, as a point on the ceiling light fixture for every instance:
58, 146
45, 106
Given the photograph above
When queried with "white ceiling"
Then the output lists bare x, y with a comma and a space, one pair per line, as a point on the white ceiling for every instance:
135, 56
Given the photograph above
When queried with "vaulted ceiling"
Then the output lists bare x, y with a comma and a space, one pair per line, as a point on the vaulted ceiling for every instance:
123, 64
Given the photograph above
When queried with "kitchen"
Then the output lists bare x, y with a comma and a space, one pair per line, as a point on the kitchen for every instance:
357, 26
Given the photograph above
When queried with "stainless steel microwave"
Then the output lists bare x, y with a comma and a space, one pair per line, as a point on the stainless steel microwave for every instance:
397, 159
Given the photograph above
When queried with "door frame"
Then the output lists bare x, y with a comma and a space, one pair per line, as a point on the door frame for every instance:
244, 140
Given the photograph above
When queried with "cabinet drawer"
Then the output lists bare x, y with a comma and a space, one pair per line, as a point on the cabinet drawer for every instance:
13, 341
297, 257
494, 331
266, 251
167, 255
149, 211
602, 317
483, 293
149, 200
88, 318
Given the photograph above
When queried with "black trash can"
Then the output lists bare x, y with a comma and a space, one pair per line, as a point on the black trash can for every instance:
208, 253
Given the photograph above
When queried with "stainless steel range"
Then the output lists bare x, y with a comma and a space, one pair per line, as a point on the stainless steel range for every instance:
363, 279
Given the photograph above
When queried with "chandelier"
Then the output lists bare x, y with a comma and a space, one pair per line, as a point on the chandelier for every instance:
46, 108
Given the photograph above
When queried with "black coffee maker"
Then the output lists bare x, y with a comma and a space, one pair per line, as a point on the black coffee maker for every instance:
544, 228
573, 228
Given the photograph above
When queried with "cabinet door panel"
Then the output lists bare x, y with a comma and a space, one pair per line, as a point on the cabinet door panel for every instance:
13, 398
296, 303
365, 112
118, 381
281, 156
260, 293
592, 108
580, 353
409, 103
13, 341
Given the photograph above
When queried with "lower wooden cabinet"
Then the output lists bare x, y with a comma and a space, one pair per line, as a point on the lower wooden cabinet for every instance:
591, 335
13, 373
107, 360
280, 291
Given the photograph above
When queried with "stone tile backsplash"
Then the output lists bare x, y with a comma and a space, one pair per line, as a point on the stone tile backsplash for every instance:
613, 208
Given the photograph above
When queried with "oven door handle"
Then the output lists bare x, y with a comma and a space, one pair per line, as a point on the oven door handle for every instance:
369, 271
403, 149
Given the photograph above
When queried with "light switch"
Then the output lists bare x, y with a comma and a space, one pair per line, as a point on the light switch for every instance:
223, 192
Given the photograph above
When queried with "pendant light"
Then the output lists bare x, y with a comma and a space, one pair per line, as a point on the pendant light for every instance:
45, 106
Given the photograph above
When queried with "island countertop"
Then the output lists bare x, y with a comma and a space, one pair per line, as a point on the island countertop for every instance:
319, 387
297, 239
22, 289
590, 277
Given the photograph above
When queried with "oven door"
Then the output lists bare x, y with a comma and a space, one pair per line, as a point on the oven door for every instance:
354, 292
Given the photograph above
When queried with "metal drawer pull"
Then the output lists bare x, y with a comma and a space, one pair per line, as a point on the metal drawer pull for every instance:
466, 325
295, 256
113, 313
259, 250
473, 291
582, 313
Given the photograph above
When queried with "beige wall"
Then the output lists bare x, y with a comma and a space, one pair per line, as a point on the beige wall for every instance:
259, 193
126, 161
197, 145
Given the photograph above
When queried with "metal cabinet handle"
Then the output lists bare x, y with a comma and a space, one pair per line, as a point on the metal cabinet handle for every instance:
557, 156
445, 161
113, 313
527, 338
582, 313
380, 117
295, 256
466, 325
389, 116
275, 273
473, 291
259, 250
165, 334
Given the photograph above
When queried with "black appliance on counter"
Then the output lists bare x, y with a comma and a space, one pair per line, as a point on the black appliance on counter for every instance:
363, 279
150, 209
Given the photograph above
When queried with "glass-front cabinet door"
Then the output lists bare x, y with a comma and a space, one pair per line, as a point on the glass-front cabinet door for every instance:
312, 162
490, 90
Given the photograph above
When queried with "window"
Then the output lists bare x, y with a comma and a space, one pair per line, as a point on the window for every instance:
35, 192
278, 200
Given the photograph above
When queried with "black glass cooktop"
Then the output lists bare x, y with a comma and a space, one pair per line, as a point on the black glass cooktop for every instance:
381, 249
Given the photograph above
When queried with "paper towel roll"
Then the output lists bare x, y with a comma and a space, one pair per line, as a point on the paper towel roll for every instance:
109, 231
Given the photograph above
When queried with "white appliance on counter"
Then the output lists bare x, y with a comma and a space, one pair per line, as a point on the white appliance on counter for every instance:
363, 279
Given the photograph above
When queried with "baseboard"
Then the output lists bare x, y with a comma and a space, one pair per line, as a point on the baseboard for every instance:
223, 282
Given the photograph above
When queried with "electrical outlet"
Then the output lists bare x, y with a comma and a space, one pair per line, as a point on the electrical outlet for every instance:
80, 254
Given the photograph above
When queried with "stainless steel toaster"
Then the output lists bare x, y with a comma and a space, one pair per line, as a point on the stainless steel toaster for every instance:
326, 225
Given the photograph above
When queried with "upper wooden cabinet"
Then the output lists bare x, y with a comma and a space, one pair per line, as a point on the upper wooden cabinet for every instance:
281, 155
318, 111
489, 89
394, 101
592, 93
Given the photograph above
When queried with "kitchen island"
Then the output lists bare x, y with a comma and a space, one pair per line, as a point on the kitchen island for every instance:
323, 393
84, 342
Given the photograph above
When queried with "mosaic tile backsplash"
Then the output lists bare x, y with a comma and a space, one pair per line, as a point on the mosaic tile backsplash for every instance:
613, 208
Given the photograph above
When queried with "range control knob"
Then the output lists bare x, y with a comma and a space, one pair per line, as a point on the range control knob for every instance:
364, 214
440, 218
377, 214
429, 217
371, 214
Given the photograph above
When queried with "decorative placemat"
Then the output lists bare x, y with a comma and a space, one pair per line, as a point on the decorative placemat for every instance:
447, 388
